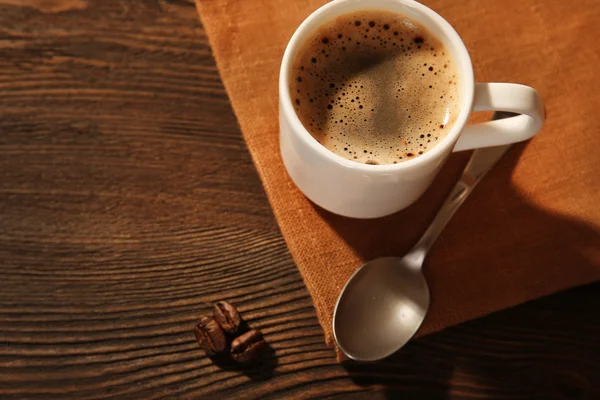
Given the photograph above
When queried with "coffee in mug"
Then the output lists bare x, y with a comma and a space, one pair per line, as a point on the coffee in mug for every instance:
375, 87
338, 111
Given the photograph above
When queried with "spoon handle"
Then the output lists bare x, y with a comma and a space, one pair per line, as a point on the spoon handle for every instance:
479, 164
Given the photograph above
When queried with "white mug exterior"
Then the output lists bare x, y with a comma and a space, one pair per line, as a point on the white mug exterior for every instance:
359, 190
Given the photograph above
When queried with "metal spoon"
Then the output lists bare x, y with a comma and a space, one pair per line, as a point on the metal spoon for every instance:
386, 300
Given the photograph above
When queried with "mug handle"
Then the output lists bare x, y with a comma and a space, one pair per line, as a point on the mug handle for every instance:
510, 97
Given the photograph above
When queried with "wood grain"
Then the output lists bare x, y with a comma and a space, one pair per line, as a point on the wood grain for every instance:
128, 204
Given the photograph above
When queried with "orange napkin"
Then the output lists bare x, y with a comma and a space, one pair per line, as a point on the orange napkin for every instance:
529, 229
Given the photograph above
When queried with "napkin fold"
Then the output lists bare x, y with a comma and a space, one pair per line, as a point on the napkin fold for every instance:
529, 229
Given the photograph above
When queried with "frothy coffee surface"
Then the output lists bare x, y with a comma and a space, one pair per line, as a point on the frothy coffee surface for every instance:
375, 87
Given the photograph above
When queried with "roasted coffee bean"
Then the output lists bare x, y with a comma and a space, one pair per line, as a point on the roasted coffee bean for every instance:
248, 347
210, 335
228, 317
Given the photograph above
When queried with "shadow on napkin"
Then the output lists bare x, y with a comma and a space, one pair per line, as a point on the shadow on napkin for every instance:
395, 235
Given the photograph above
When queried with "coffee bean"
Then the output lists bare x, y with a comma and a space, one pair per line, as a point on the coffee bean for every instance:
210, 335
248, 347
228, 317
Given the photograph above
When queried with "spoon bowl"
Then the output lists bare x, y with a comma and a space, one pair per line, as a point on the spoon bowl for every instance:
386, 289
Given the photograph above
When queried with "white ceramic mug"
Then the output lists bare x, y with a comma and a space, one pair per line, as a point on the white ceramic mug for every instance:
359, 190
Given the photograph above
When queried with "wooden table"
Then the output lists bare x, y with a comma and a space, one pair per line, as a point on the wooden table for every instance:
129, 203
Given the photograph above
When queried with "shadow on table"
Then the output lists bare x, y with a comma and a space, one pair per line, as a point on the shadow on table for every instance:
261, 370
418, 371
538, 351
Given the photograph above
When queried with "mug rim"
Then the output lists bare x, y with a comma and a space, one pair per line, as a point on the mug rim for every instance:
465, 70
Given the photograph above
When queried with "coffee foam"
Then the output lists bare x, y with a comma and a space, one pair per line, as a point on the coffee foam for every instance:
375, 87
